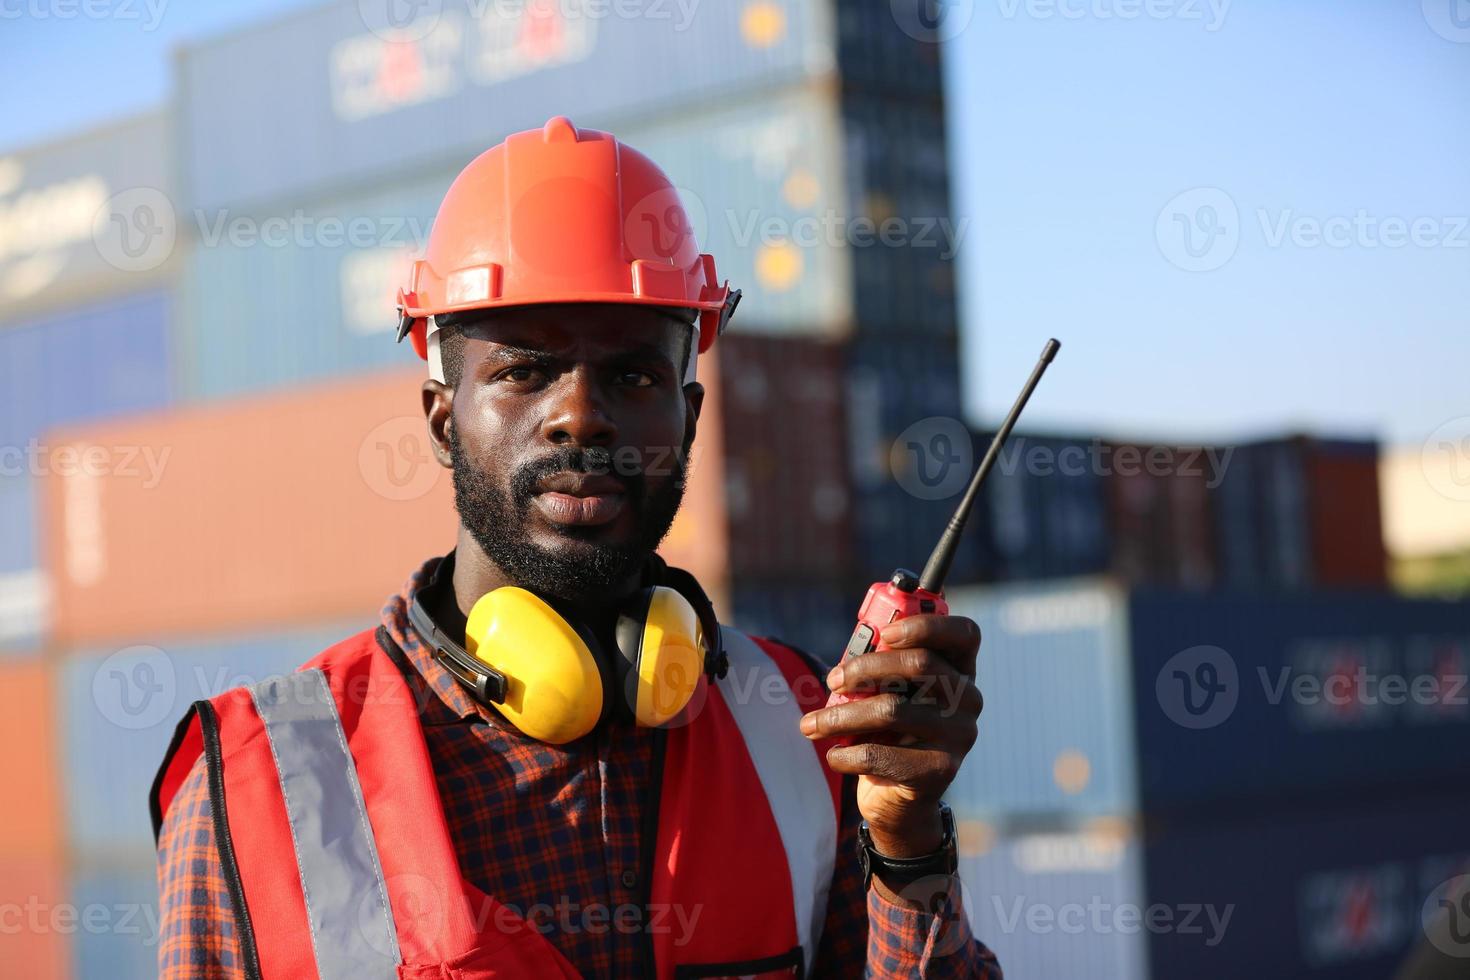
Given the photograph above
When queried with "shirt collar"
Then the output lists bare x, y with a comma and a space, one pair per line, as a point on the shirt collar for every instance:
450, 701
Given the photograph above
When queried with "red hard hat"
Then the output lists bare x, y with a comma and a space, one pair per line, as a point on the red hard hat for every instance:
562, 215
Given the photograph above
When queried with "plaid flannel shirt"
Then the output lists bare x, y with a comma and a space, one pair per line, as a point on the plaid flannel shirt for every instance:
535, 824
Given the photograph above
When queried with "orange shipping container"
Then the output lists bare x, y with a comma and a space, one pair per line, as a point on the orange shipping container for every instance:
33, 827
38, 921
303, 506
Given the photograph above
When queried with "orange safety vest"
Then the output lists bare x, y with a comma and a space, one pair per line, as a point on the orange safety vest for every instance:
329, 765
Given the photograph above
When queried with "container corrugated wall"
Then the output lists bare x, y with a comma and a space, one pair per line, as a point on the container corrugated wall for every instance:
1331, 699
351, 99
1032, 896
52, 252
904, 428
314, 504
301, 293
1056, 735
120, 707
1330, 894
786, 493
1346, 514
1046, 510
762, 179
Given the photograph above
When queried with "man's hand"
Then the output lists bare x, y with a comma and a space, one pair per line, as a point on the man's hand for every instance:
910, 736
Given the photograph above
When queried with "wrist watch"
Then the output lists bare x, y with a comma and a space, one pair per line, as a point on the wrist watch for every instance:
902, 871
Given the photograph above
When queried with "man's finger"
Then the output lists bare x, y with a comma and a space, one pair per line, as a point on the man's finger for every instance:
957, 637
883, 713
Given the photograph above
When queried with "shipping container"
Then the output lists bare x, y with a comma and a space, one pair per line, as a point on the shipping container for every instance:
1263, 534
1057, 731
1346, 515
34, 942
86, 216
1159, 514
32, 771
904, 238
1336, 893
876, 56
786, 490
699, 540
119, 708
356, 85
117, 933
1029, 896
909, 455
1104, 700
762, 180
1044, 509
1332, 894
305, 506
296, 294
86, 363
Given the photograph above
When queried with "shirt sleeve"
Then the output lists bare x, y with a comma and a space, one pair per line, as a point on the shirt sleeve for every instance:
197, 924
866, 934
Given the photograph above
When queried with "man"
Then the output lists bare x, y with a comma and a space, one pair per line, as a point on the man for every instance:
563, 798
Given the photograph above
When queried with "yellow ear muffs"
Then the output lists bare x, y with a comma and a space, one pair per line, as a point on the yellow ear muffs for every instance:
554, 689
662, 645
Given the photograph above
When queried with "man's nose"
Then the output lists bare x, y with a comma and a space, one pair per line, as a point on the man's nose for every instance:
577, 414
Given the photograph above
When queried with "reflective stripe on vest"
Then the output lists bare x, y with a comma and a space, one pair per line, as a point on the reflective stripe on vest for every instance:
795, 785
336, 854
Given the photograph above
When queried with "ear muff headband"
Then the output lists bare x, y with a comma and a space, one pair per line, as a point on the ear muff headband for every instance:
561, 690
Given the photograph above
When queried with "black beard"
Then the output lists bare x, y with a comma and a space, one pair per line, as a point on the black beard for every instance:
496, 518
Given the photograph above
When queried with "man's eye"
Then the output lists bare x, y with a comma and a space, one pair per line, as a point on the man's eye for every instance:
519, 374
638, 379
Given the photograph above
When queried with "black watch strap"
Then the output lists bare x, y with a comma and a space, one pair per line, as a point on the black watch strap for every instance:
902, 871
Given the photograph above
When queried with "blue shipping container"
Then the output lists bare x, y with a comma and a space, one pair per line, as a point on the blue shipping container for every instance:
1056, 734
117, 925
119, 710
1336, 894
50, 199
1297, 696
1031, 896
908, 452
81, 365
357, 88
1101, 700
1046, 508
816, 619
302, 294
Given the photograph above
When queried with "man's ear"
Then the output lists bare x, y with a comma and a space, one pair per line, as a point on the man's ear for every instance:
439, 413
693, 402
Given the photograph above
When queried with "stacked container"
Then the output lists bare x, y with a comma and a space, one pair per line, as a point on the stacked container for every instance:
1291, 761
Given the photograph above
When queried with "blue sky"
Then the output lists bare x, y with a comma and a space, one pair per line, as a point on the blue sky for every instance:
1074, 130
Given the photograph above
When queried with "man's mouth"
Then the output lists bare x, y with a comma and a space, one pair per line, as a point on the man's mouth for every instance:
581, 499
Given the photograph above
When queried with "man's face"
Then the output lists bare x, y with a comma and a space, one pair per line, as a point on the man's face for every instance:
569, 438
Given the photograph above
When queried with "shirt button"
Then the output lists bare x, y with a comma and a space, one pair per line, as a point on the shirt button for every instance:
629, 879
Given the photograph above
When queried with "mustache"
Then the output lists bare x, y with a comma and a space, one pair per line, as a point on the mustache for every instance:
593, 460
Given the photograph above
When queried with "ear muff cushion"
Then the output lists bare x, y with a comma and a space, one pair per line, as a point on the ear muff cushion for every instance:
669, 665
553, 685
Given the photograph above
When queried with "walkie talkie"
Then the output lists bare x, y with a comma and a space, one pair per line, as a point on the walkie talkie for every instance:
907, 594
